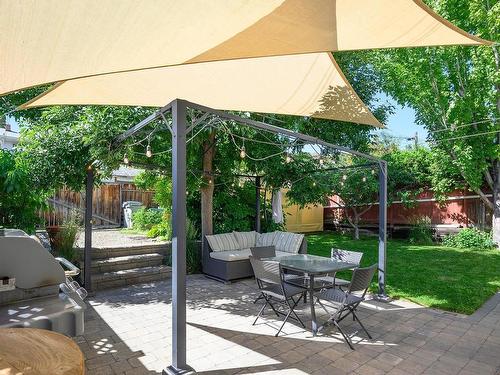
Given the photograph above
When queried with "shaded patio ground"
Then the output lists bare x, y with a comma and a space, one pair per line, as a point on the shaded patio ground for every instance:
128, 332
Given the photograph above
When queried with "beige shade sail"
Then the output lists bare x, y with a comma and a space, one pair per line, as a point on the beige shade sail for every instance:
43, 41
308, 85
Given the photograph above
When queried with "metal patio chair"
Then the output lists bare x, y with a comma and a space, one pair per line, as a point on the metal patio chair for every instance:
345, 303
263, 252
259, 253
331, 281
275, 290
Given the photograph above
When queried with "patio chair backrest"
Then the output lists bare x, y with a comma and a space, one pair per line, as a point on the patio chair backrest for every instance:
263, 252
347, 256
361, 278
268, 271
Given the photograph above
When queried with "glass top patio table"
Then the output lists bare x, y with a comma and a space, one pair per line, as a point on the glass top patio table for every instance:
313, 264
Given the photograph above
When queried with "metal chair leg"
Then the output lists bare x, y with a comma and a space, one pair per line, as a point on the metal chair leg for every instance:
260, 312
346, 338
286, 318
355, 317
268, 300
292, 309
323, 306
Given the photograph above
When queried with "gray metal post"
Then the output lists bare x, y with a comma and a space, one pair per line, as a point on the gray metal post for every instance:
382, 229
257, 204
87, 252
179, 123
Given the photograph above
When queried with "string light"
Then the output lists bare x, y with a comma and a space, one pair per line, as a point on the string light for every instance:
243, 153
342, 183
344, 177
364, 179
232, 185
314, 183
288, 158
149, 153
125, 159
373, 171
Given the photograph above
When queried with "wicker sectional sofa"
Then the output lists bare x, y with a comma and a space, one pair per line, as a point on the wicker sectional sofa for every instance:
226, 256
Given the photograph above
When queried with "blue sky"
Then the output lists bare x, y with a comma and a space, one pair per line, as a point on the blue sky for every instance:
402, 123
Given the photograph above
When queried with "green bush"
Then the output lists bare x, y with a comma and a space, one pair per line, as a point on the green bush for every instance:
20, 198
469, 238
193, 256
163, 229
420, 231
145, 219
66, 237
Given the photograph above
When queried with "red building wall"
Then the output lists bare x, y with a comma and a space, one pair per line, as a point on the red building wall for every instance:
460, 209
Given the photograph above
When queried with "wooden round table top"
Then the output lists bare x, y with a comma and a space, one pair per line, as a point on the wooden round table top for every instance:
29, 351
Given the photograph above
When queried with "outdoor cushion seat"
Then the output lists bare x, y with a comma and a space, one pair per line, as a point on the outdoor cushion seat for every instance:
225, 256
231, 255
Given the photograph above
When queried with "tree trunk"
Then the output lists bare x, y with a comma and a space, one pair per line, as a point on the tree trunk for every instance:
355, 223
207, 190
495, 225
356, 227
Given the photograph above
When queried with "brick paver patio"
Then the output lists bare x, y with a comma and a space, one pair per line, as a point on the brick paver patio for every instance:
128, 332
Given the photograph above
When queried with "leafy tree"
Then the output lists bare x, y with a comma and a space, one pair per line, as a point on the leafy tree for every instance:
19, 198
61, 142
455, 92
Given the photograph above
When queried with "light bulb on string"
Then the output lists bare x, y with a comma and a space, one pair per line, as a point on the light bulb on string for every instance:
314, 183
288, 158
243, 153
125, 159
342, 183
373, 171
344, 177
149, 153
364, 179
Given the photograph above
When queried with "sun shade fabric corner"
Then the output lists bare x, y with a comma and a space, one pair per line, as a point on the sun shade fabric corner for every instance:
46, 41
304, 85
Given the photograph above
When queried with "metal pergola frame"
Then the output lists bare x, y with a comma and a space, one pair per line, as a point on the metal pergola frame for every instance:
179, 128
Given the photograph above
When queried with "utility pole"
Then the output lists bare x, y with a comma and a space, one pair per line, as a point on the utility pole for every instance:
414, 139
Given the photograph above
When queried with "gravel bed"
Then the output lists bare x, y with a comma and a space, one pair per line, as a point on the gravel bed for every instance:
115, 237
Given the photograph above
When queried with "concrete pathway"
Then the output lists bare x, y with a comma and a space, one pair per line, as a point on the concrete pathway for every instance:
128, 332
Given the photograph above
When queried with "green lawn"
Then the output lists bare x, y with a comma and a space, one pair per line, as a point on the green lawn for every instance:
446, 278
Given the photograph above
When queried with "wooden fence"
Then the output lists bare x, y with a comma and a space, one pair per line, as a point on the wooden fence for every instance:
106, 204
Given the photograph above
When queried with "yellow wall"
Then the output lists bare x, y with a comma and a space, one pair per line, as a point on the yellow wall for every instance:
307, 219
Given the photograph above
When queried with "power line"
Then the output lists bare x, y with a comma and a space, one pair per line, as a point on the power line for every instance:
468, 136
454, 127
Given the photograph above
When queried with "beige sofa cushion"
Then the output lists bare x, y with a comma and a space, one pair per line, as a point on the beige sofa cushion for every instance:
265, 239
246, 240
230, 255
223, 242
288, 242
